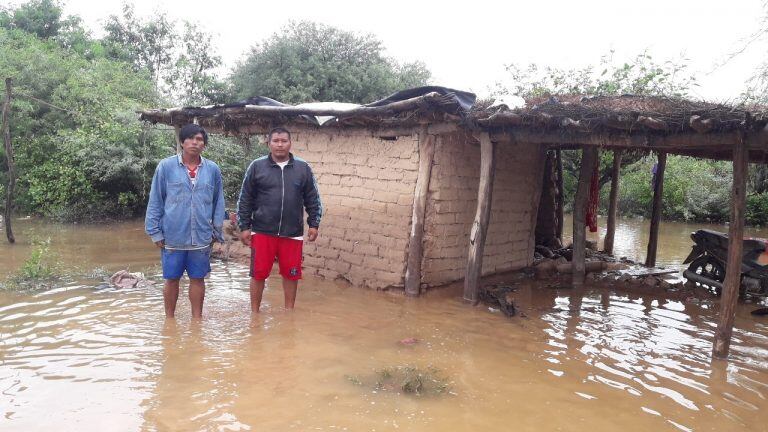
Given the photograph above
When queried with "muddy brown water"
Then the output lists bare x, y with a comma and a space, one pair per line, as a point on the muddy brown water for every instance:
85, 357
632, 234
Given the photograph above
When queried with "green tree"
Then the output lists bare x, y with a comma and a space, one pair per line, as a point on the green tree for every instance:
181, 64
39, 17
641, 76
80, 152
307, 61
192, 80
146, 44
694, 189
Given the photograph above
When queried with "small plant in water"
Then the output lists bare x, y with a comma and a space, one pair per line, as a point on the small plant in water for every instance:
97, 273
406, 380
38, 270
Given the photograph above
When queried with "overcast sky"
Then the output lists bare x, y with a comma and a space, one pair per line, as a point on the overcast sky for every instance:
466, 46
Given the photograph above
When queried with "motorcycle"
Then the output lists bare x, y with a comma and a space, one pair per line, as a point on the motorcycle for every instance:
708, 259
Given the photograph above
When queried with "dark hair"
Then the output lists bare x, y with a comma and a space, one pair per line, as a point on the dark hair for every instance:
278, 129
190, 130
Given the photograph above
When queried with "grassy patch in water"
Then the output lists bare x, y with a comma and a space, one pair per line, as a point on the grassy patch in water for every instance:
40, 270
409, 380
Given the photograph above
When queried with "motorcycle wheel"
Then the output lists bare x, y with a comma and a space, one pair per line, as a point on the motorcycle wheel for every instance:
710, 268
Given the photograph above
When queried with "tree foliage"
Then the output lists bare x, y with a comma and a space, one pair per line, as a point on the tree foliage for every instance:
76, 145
41, 18
307, 62
180, 63
640, 76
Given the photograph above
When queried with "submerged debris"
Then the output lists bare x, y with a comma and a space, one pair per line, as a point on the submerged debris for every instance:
622, 274
409, 380
408, 341
499, 296
125, 279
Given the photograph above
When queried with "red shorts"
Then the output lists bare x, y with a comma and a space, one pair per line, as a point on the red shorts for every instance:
264, 250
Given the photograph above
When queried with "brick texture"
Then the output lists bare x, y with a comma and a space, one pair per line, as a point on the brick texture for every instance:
367, 186
452, 203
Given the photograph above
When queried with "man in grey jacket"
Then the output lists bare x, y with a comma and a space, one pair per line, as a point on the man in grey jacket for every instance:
276, 190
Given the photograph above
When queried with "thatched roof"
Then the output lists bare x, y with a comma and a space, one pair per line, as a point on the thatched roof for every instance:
627, 113
674, 125
406, 108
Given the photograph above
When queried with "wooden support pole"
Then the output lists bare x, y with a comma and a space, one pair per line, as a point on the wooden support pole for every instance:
613, 202
482, 218
415, 243
588, 161
735, 248
560, 203
245, 141
177, 131
658, 192
9, 158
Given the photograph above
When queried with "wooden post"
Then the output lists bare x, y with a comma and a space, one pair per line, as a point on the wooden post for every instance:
735, 247
9, 158
415, 243
245, 141
658, 192
177, 131
560, 203
482, 217
613, 201
588, 161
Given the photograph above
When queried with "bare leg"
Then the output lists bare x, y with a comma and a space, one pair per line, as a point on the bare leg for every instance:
257, 289
289, 291
196, 297
170, 296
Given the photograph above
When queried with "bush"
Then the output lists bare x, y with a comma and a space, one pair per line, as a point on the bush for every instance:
38, 270
697, 190
233, 159
757, 209
56, 185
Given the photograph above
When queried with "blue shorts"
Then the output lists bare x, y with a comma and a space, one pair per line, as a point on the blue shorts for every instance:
197, 263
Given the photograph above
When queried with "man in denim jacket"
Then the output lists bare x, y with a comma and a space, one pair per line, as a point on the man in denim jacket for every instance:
185, 214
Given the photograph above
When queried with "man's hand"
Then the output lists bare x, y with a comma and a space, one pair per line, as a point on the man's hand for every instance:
160, 243
245, 237
312, 234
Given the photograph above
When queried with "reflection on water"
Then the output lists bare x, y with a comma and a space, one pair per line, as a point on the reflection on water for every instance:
632, 236
85, 358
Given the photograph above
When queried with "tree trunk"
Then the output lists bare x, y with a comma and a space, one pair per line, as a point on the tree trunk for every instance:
735, 248
9, 157
588, 161
415, 244
560, 196
177, 132
482, 218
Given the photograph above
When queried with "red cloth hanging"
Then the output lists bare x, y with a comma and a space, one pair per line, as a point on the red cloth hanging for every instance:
594, 198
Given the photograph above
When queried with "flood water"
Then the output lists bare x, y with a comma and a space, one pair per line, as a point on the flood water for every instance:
85, 357
631, 239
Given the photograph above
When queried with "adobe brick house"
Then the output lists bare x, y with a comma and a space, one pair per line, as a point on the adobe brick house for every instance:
373, 163
424, 188
368, 186
418, 181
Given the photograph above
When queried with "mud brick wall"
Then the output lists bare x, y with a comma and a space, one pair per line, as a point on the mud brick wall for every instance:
367, 186
452, 203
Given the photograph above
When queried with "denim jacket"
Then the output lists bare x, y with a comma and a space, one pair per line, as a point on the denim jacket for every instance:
185, 216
